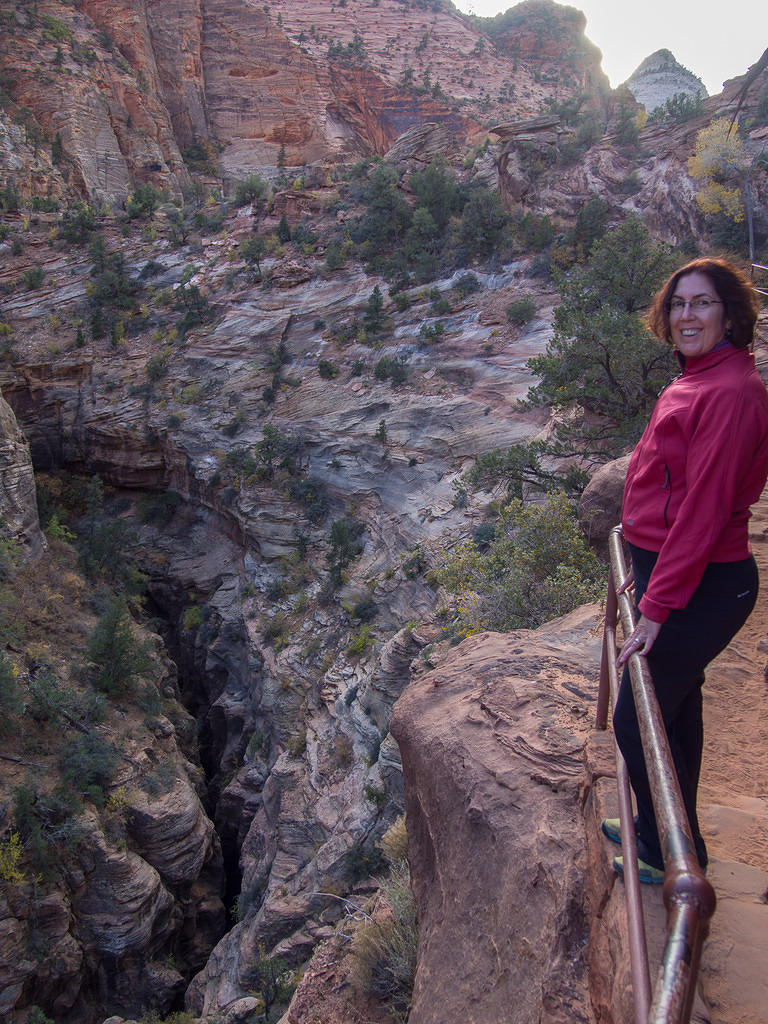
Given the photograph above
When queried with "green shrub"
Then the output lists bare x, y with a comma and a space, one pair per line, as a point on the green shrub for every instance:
345, 546
251, 190
143, 203
271, 977
538, 566
159, 508
334, 256
362, 861
11, 854
327, 369
678, 108
156, 368
440, 304
193, 617
43, 204
89, 765
47, 697
374, 795
55, 30
277, 630
37, 1016
10, 698
432, 333
522, 311
536, 233
391, 369
601, 359
33, 278
78, 223
9, 198
252, 250
360, 642
365, 610
467, 285
297, 743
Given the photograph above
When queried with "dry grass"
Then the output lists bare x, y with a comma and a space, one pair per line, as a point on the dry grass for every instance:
384, 946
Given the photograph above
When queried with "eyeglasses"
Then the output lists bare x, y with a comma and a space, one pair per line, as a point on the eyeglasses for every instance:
699, 305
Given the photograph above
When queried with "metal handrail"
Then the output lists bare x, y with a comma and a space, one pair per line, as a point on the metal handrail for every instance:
758, 266
688, 896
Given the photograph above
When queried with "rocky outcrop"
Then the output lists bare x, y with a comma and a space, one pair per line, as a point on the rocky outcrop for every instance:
121, 905
552, 34
492, 747
660, 78
600, 503
18, 507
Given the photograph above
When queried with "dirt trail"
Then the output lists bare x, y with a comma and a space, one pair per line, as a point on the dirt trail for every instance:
733, 805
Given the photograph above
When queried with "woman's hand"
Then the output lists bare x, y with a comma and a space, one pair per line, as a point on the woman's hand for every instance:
628, 583
641, 640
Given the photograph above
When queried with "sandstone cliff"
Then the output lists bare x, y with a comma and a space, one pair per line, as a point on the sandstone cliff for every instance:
119, 898
127, 87
660, 78
18, 509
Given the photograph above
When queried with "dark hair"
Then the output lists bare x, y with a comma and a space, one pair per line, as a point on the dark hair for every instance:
741, 303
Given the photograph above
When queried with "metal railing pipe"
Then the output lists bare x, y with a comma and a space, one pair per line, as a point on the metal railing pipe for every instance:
688, 896
609, 687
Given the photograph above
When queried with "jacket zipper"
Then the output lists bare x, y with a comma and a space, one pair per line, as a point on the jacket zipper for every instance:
667, 486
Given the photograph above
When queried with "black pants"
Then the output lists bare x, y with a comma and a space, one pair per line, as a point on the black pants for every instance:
687, 642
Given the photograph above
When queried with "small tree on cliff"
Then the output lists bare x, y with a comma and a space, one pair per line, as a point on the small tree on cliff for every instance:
115, 656
602, 364
374, 317
726, 169
345, 546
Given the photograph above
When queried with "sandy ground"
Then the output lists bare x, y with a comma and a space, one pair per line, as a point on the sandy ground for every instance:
734, 813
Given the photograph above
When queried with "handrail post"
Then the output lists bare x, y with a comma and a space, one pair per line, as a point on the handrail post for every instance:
608, 654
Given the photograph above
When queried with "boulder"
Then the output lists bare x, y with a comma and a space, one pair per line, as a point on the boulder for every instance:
600, 504
492, 748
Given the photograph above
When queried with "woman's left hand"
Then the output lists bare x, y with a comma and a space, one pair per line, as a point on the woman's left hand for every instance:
641, 640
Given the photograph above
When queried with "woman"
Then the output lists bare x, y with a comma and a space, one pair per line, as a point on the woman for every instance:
701, 463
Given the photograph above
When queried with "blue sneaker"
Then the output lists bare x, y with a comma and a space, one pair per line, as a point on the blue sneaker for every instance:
611, 827
646, 872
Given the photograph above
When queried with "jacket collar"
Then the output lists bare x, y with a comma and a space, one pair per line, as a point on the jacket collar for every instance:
710, 359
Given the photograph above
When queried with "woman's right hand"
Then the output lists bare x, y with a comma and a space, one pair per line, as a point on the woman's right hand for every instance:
641, 640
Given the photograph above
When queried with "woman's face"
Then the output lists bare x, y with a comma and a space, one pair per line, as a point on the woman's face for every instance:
696, 331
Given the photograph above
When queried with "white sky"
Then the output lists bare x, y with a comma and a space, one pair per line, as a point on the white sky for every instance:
715, 39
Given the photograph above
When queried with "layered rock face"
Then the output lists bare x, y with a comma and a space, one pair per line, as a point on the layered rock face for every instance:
293, 740
660, 78
129, 85
18, 508
141, 887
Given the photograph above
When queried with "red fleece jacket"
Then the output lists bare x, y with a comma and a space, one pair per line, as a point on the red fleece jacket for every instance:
701, 463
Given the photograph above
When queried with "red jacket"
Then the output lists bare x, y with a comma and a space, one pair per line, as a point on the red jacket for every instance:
701, 463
